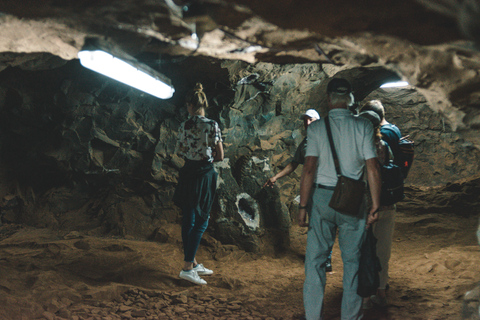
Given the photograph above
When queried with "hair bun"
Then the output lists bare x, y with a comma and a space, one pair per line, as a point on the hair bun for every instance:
197, 97
198, 87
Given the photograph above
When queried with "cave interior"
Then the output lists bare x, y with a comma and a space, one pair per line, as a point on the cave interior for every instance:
82, 153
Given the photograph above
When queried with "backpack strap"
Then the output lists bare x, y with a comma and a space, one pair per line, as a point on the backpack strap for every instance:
388, 151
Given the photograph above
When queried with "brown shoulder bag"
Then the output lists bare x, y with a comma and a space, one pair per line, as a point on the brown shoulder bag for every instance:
349, 193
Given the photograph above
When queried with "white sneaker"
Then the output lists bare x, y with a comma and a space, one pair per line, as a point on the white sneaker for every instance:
192, 276
201, 270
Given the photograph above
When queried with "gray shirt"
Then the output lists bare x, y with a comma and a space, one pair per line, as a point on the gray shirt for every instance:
354, 142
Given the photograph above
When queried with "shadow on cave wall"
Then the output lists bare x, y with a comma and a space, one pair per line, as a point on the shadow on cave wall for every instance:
77, 152
88, 154
461, 198
83, 153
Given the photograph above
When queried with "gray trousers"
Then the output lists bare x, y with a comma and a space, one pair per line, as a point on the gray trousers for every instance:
323, 226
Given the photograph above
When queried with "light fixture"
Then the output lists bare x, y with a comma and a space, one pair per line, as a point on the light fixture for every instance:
394, 84
127, 70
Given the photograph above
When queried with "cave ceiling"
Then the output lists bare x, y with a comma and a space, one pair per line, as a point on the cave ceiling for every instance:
433, 44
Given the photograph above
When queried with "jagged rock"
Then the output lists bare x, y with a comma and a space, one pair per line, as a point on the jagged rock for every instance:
236, 219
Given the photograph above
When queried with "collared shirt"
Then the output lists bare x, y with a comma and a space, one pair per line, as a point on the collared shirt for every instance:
354, 143
197, 138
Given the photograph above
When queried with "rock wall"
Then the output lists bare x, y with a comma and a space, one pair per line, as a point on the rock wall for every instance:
78, 152
441, 155
83, 153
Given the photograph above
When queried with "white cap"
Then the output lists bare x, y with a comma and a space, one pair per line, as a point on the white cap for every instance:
312, 113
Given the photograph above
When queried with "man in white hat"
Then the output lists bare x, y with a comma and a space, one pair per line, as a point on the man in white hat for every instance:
299, 158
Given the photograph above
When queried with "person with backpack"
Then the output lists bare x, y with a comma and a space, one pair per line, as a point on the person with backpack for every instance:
402, 147
387, 137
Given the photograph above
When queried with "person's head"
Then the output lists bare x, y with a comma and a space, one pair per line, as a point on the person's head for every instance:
196, 100
309, 116
374, 118
340, 93
375, 106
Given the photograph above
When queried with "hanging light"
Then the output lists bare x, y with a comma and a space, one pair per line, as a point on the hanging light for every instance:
126, 70
395, 84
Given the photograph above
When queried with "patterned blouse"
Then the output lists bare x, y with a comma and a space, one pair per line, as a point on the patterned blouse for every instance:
197, 138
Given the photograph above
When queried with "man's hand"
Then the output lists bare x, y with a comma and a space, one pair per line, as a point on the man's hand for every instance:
302, 218
285, 172
372, 217
270, 182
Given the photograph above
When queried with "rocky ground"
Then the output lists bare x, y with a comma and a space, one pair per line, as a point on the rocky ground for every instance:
47, 274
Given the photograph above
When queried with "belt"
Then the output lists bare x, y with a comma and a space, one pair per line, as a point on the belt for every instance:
321, 186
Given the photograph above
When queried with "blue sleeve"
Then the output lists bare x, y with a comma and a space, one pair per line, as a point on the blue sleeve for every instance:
391, 135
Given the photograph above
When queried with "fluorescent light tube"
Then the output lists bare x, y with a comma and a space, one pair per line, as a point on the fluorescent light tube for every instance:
394, 84
146, 80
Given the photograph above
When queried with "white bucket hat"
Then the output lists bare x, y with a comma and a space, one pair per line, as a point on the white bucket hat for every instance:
312, 113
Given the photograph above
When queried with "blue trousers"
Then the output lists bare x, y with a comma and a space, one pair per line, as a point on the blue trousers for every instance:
321, 235
193, 227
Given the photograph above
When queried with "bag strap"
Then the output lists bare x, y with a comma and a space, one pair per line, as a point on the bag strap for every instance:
387, 152
332, 147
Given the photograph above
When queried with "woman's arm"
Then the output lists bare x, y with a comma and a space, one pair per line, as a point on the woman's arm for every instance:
218, 156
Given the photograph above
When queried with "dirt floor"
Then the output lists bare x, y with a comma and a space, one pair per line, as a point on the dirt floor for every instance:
47, 274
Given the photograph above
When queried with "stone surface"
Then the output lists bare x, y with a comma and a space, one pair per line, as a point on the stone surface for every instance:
91, 154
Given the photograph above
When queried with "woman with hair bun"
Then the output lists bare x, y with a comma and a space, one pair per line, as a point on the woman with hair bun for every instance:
200, 144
